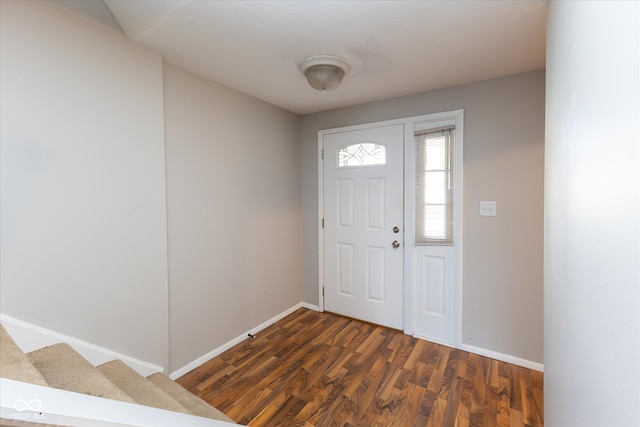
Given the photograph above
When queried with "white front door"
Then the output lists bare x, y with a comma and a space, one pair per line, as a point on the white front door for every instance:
363, 234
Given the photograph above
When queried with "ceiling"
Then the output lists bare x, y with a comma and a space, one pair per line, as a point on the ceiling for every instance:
395, 48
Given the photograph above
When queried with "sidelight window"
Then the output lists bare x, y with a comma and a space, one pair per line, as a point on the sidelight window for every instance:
434, 186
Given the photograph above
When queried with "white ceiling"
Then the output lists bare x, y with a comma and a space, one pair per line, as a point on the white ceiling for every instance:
395, 47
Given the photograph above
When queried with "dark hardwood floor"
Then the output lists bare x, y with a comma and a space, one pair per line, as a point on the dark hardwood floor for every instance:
320, 369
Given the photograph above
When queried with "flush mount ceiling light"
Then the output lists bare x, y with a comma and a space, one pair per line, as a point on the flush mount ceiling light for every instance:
324, 72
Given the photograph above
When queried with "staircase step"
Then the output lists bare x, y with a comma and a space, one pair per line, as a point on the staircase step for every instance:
193, 403
14, 364
64, 368
139, 388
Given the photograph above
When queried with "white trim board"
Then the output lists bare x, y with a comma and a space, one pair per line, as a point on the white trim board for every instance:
446, 344
224, 347
514, 360
30, 337
309, 306
29, 403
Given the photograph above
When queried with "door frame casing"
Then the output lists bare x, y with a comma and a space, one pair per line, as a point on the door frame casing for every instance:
408, 285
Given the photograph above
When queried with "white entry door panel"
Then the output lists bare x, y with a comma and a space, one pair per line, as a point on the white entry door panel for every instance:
434, 293
363, 224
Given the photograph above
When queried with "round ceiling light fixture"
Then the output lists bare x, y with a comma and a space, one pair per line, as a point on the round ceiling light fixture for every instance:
324, 72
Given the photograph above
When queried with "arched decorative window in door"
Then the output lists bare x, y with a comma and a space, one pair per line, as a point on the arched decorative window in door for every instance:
362, 154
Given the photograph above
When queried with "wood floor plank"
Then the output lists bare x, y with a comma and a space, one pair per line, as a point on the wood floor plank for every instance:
437, 414
490, 407
476, 416
537, 381
453, 402
415, 354
462, 417
517, 420
528, 402
503, 390
516, 396
315, 369
366, 391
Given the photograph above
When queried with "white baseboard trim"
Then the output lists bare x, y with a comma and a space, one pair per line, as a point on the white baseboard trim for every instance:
224, 347
503, 357
446, 344
309, 306
30, 337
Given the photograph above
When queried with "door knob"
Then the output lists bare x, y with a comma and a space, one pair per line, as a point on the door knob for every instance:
395, 244
396, 230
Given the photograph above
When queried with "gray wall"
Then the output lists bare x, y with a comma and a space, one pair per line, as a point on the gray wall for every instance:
503, 161
84, 241
88, 204
233, 206
592, 229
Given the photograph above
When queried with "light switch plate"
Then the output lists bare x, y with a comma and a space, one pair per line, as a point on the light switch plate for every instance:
487, 208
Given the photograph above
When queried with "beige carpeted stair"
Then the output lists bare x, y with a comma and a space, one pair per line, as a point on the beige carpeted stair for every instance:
145, 392
64, 368
60, 366
196, 405
14, 364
